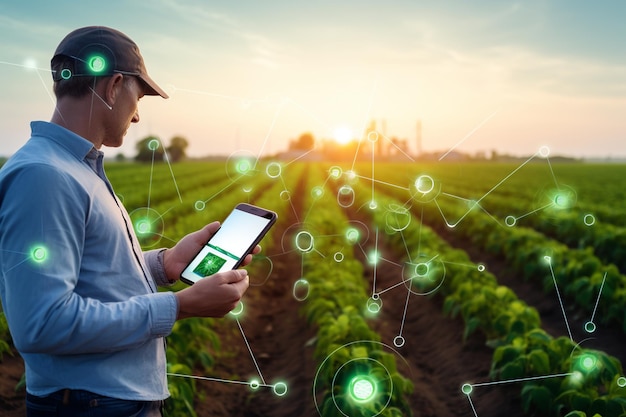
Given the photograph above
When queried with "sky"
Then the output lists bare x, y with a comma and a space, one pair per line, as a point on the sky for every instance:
249, 76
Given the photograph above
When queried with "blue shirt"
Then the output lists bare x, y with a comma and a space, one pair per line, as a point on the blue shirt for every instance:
77, 292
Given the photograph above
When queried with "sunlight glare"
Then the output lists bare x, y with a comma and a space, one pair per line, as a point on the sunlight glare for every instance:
343, 135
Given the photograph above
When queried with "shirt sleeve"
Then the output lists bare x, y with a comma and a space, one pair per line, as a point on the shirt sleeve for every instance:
42, 230
154, 261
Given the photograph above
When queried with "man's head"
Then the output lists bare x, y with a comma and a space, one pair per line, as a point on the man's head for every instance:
99, 78
87, 54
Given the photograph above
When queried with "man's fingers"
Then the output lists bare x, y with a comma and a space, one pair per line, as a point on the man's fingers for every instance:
234, 276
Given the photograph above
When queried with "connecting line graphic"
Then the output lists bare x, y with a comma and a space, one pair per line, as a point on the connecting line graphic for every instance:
45, 86
468, 388
26, 258
590, 326
375, 263
200, 204
398, 341
167, 159
477, 202
558, 294
153, 145
380, 182
293, 208
468, 135
404, 281
515, 219
206, 378
279, 388
245, 339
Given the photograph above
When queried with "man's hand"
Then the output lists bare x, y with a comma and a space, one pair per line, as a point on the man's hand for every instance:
213, 296
177, 258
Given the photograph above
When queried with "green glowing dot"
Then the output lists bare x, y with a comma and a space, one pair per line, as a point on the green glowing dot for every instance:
273, 170
362, 388
374, 257
421, 269
352, 235
243, 166
374, 305
560, 200
317, 192
97, 64
237, 310
254, 384
621, 382
589, 219
66, 74
467, 389
143, 227
280, 389
39, 254
588, 363
153, 145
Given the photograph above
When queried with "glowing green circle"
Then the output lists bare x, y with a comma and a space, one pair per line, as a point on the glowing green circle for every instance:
243, 166
39, 254
374, 305
280, 389
352, 235
153, 145
588, 363
142, 226
237, 310
466, 389
621, 382
66, 73
317, 192
97, 64
421, 269
362, 388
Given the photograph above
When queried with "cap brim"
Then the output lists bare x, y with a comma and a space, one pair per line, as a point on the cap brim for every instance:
152, 88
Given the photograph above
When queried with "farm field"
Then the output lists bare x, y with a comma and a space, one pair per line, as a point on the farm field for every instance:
397, 289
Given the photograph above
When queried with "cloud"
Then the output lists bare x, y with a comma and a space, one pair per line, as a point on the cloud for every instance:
263, 50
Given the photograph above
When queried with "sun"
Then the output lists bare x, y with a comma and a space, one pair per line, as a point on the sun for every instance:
343, 135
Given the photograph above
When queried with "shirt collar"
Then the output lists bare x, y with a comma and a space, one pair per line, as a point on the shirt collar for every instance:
75, 144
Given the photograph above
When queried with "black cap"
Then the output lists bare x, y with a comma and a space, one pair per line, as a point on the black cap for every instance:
102, 51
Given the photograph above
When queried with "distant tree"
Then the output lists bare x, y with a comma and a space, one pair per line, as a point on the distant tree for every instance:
305, 142
120, 157
177, 148
149, 149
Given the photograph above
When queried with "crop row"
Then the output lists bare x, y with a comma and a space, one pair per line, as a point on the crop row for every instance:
350, 354
593, 381
193, 345
578, 271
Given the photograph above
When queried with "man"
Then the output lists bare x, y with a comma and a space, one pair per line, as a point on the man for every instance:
79, 295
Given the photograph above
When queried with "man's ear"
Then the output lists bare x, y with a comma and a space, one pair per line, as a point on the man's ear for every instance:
113, 87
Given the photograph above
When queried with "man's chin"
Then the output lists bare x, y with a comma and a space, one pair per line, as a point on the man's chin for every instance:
114, 143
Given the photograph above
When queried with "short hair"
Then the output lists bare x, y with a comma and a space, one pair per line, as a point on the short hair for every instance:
74, 86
